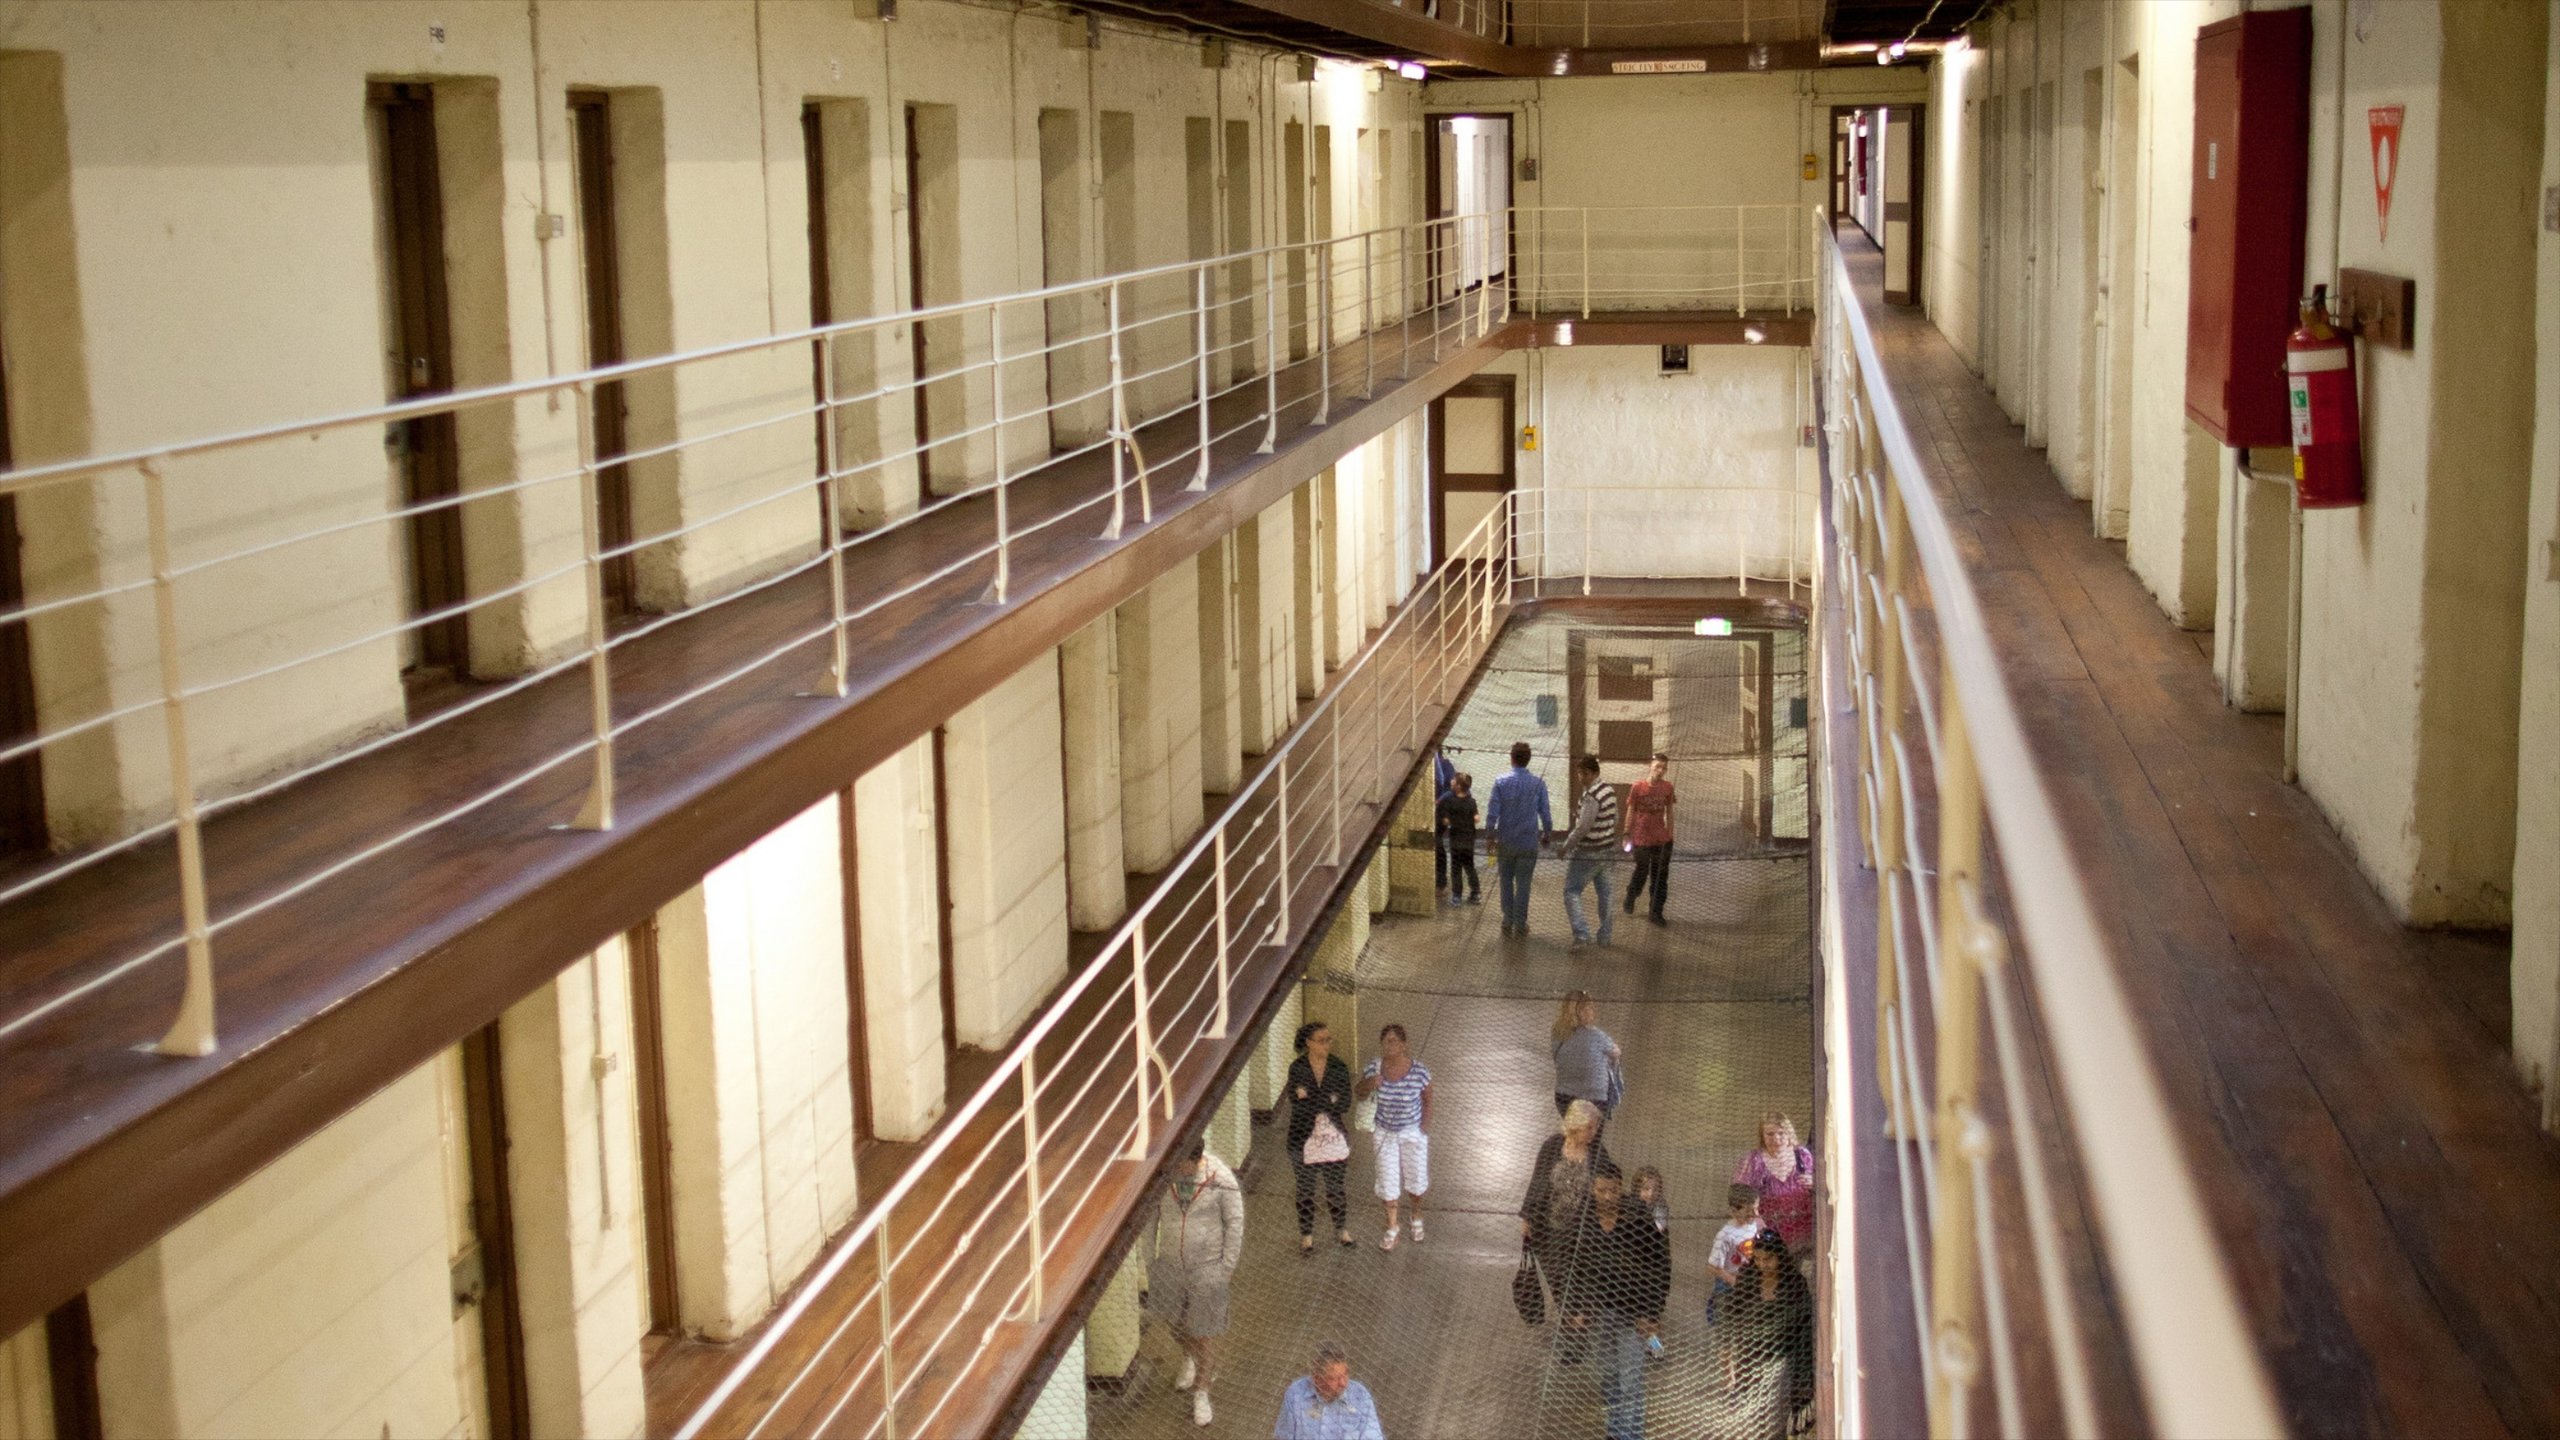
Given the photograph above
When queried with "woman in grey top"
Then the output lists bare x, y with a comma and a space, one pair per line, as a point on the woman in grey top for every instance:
1586, 1058
1198, 1238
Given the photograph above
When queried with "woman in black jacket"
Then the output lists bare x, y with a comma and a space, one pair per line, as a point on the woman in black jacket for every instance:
1560, 1190
1766, 1327
1617, 1283
1319, 1089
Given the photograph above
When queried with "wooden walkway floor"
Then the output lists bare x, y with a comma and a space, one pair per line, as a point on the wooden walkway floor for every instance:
2385, 1200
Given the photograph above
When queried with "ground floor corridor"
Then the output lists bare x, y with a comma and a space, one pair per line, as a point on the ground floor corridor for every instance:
1711, 1009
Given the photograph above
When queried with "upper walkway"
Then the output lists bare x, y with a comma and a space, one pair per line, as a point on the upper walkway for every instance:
2374, 1174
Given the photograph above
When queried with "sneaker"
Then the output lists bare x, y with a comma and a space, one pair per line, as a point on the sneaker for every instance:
1201, 1414
1417, 1229
1576, 943
1390, 1242
1190, 1374
1658, 920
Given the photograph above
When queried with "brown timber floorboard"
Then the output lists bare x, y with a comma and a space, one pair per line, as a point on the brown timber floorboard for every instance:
2374, 1172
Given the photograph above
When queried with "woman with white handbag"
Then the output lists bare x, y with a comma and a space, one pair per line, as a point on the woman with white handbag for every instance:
1319, 1094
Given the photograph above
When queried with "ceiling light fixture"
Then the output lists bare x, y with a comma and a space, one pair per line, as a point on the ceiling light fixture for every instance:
1412, 70
1753, 334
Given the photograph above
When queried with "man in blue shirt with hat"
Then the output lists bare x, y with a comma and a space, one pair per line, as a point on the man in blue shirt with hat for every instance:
1326, 1403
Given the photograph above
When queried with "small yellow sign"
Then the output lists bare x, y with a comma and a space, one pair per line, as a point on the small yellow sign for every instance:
1528, 437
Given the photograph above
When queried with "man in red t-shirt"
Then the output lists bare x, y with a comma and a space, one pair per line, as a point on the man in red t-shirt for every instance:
1649, 804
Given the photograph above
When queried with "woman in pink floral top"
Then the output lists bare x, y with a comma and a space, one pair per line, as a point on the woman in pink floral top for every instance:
1782, 1171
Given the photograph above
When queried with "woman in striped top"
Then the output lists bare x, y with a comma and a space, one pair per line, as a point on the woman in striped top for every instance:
1403, 1088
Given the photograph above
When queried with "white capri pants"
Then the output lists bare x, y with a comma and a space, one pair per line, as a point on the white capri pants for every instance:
1404, 1163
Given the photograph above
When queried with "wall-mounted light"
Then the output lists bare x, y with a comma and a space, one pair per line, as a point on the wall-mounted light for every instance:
1899, 48
1753, 334
1564, 332
1412, 70
1713, 625
1884, 57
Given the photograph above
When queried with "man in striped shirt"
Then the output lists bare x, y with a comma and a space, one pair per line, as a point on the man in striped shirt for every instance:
1403, 1088
1591, 851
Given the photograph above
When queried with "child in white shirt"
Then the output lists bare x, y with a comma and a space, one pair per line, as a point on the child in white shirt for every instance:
1731, 1256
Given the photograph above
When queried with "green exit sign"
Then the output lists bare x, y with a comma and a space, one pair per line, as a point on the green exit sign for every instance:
1715, 625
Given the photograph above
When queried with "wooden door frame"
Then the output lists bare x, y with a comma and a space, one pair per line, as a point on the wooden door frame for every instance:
1918, 206
858, 1042
657, 1154
23, 829
493, 1231
813, 158
1840, 148
1477, 387
71, 1356
600, 260
918, 358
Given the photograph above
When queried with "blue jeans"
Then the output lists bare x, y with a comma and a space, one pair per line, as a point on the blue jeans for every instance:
1512, 869
1621, 1374
1592, 870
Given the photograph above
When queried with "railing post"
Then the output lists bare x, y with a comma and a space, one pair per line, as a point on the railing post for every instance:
1368, 319
192, 1032
888, 1335
1004, 536
597, 813
1118, 422
1279, 349
1143, 1035
1404, 300
1218, 1025
1324, 331
1741, 262
1586, 262
1200, 312
831, 521
1333, 811
1588, 530
1280, 871
1031, 1177
1954, 1260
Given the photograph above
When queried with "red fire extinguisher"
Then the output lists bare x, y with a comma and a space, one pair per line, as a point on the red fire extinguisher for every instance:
2328, 433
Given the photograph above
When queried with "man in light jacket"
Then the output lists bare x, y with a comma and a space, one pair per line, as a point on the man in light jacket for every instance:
1198, 1238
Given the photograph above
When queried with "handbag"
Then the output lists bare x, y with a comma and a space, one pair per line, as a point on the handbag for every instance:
1526, 1297
1617, 1085
1364, 1113
1325, 1143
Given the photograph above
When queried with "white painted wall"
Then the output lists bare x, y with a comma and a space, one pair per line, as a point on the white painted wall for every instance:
2535, 968
1089, 690
899, 891
1160, 796
26, 1386
313, 1299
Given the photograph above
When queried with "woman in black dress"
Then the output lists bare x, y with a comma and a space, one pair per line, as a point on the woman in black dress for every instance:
1319, 1089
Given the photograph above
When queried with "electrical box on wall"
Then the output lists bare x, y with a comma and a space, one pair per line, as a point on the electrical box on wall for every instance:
2244, 260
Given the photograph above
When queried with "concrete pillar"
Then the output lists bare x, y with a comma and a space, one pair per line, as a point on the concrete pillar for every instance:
1089, 696
900, 892
1160, 798
755, 1034
573, 1186
1311, 522
1001, 759
1408, 856
2256, 562
1059, 1413
26, 1385
1270, 1068
1221, 713
1230, 1135
1266, 626
1346, 531
1111, 1331
1329, 993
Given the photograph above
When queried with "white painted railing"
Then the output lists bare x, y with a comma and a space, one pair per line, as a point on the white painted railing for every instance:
1713, 259
751, 466
1938, 735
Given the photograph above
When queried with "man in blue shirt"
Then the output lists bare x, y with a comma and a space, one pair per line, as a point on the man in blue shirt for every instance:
1520, 822
1326, 1403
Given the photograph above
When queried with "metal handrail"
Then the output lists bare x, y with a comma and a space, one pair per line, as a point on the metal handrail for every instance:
1378, 700
2190, 1349
1352, 290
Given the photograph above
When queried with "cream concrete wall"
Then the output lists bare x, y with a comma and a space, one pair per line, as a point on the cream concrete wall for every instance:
2535, 967
1221, 680
1089, 690
1007, 827
1609, 421
574, 1198
759, 1095
898, 889
211, 264
26, 1386
1059, 1411
1269, 1072
313, 1299
1160, 796
1266, 627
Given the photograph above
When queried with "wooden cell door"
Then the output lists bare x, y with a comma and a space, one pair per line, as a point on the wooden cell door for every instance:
600, 253
1473, 463
813, 149
22, 825
425, 449
484, 1274
657, 1150
915, 298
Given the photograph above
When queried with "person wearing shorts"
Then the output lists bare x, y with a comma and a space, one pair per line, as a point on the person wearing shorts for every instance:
1402, 1086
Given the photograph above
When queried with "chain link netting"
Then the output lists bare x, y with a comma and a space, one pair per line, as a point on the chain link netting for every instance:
1710, 1014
